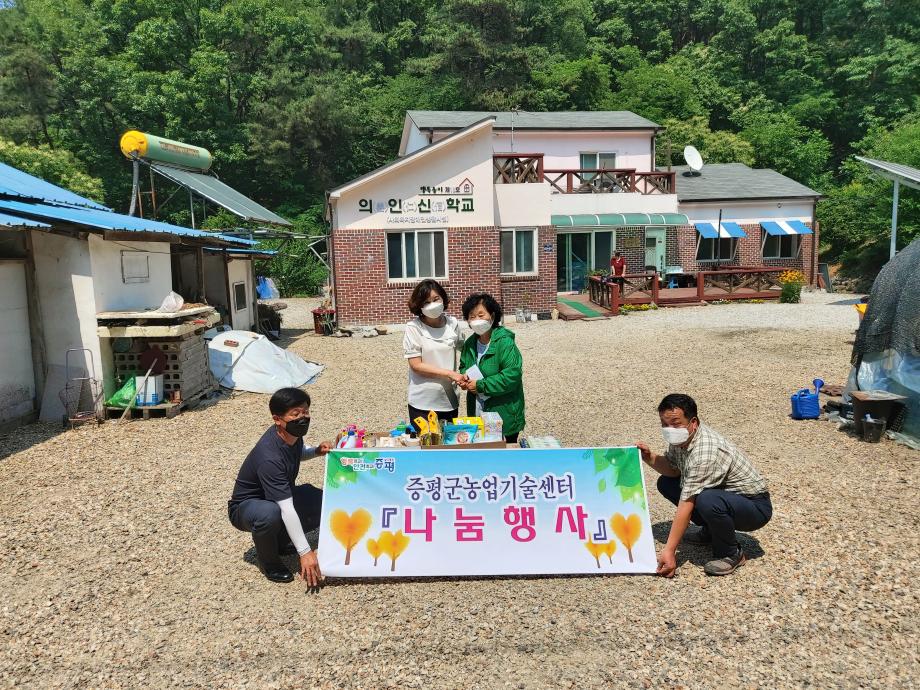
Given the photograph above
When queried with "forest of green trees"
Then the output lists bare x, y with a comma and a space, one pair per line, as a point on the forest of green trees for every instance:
295, 96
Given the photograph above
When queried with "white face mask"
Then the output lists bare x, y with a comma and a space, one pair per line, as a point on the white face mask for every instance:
675, 435
480, 326
433, 309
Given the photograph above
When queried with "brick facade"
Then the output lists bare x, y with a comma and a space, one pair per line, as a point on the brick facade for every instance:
682, 242
364, 295
534, 292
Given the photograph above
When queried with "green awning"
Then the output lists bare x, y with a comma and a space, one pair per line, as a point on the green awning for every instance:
587, 220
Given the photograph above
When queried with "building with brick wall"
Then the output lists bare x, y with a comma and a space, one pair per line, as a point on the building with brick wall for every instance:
772, 216
527, 205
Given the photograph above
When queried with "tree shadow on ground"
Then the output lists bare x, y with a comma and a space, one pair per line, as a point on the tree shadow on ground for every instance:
700, 554
28, 435
289, 336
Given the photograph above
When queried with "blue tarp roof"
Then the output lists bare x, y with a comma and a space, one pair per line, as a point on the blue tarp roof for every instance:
16, 222
17, 183
726, 230
234, 250
107, 220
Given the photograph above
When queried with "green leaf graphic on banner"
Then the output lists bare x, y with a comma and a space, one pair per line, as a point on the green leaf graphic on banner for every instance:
602, 485
338, 475
600, 463
628, 473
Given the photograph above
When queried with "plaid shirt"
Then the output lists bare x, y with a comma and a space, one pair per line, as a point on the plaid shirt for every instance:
712, 462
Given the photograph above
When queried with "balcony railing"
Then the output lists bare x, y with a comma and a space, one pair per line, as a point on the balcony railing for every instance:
515, 168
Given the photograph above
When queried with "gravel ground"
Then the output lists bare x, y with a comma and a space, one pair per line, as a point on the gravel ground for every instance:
119, 567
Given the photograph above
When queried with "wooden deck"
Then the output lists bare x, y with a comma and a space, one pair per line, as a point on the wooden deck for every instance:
742, 283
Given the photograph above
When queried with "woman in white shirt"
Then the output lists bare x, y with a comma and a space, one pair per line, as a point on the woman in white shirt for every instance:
431, 345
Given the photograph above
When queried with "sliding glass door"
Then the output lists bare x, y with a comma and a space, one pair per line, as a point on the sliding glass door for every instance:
578, 254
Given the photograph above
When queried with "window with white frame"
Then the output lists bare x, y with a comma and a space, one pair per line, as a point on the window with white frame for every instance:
716, 249
780, 246
603, 160
239, 296
416, 254
519, 250
598, 160
135, 267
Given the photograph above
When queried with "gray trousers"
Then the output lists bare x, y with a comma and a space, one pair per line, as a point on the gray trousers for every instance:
263, 519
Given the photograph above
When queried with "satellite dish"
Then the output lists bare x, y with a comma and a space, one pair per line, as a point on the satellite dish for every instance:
694, 159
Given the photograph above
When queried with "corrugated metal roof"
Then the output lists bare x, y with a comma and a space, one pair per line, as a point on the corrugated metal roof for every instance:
244, 252
736, 181
601, 119
107, 220
217, 192
17, 183
902, 173
16, 222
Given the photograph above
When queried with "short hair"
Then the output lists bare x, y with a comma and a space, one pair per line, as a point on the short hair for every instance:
421, 292
485, 299
616, 253
285, 399
678, 401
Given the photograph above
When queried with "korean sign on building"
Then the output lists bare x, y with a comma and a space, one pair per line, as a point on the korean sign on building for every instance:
392, 513
432, 205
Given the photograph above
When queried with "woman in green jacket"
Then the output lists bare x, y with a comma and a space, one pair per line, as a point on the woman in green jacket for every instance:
492, 349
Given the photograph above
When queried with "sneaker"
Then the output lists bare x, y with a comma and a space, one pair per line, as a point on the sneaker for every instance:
725, 566
697, 536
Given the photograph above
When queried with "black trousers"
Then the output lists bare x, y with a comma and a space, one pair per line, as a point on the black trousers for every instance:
263, 520
722, 512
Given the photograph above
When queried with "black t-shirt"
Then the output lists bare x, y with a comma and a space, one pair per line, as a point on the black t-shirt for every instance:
269, 471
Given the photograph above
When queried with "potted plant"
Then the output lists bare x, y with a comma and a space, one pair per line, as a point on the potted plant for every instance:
525, 306
791, 282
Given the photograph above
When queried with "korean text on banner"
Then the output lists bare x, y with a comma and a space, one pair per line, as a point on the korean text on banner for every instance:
485, 512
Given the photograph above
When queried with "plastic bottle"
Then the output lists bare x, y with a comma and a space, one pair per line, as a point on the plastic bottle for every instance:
351, 440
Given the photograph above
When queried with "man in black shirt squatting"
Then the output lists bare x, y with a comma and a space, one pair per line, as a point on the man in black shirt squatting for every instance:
265, 497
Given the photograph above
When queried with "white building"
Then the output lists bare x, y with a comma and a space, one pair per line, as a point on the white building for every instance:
64, 259
523, 205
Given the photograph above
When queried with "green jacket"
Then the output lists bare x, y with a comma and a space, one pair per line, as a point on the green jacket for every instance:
502, 371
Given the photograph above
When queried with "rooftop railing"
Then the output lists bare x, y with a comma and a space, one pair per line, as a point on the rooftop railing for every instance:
518, 168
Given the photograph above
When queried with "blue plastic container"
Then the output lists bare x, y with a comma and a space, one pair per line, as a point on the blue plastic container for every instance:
805, 404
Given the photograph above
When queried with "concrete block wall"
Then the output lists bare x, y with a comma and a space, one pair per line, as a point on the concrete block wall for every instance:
365, 296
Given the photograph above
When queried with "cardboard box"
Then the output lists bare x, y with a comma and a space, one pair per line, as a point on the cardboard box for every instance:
149, 392
372, 436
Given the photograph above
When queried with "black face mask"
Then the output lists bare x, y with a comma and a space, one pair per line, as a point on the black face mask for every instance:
297, 427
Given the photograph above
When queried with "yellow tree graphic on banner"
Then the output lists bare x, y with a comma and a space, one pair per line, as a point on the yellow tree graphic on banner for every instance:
349, 529
627, 530
392, 545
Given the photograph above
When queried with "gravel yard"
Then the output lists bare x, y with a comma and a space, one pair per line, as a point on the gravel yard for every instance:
119, 567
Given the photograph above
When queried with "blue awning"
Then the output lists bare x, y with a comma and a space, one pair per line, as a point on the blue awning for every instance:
785, 227
107, 220
19, 184
16, 222
726, 230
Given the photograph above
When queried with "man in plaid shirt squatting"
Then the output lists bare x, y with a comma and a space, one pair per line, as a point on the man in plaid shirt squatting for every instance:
712, 483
